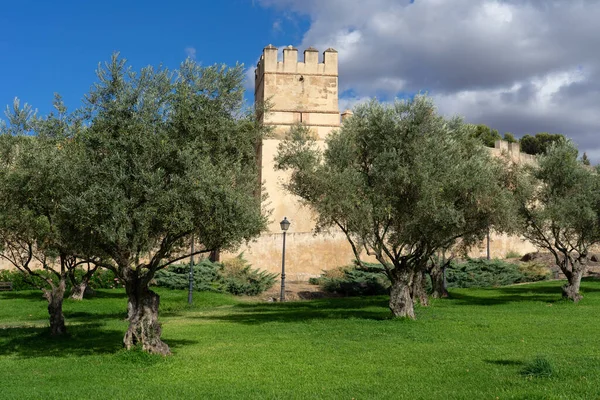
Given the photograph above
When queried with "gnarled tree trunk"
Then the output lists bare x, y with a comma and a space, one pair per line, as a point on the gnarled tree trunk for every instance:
80, 290
401, 300
438, 280
144, 328
571, 289
418, 289
55, 297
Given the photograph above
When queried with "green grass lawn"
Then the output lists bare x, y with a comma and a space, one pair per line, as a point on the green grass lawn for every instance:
472, 346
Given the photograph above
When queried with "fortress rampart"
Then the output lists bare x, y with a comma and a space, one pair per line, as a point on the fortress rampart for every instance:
307, 92
513, 151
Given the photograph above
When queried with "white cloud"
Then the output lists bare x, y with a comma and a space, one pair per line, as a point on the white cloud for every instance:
348, 103
249, 79
190, 52
524, 66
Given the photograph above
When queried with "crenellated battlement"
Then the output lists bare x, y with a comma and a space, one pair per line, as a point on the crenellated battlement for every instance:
303, 92
269, 62
513, 150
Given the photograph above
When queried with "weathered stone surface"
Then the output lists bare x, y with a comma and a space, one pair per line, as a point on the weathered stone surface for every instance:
306, 92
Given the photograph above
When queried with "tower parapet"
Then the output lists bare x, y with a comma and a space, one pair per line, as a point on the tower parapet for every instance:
310, 65
513, 150
298, 91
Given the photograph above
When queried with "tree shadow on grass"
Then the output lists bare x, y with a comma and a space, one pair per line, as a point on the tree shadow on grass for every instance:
372, 308
109, 294
503, 297
22, 295
588, 285
81, 340
504, 362
36, 295
326, 303
82, 316
547, 292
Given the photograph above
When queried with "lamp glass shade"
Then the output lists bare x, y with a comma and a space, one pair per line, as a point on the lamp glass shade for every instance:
285, 224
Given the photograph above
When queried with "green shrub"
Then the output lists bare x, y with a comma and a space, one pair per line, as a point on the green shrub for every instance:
176, 276
20, 280
102, 279
354, 281
17, 278
314, 281
240, 278
540, 367
512, 254
234, 276
533, 272
488, 273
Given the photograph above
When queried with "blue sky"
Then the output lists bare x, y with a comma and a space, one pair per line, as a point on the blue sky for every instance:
520, 66
55, 46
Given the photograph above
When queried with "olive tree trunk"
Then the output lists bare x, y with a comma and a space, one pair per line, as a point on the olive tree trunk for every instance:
419, 291
81, 290
401, 299
438, 280
55, 297
144, 328
571, 289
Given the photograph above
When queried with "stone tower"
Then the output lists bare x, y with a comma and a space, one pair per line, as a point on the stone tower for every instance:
295, 92
298, 92
303, 92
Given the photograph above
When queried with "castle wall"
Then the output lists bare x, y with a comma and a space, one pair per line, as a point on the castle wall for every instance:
513, 151
306, 255
501, 245
307, 92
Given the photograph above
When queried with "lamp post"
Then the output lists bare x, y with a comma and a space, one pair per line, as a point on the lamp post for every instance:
488, 244
191, 278
285, 224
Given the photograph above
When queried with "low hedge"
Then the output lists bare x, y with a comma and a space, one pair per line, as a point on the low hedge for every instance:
371, 279
233, 276
102, 279
354, 280
491, 273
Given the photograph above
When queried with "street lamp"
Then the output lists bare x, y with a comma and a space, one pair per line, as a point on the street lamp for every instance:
191, 274
285, 225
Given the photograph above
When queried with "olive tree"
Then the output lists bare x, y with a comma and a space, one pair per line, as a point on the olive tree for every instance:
35, 178
559, 210
401, 182
164, 157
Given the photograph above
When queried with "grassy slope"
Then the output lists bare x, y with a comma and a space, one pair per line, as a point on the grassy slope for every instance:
470, 347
